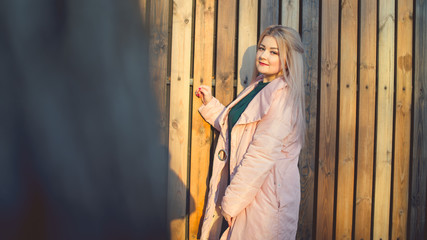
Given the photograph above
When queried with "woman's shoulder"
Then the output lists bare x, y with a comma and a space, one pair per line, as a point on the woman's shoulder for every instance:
277, 86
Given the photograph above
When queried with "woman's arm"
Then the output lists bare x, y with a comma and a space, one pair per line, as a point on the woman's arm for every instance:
211, 112
211, 108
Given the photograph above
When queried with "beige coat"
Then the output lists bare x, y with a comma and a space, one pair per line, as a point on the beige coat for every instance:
264, 193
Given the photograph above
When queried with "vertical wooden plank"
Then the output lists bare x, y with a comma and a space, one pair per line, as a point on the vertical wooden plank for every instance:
247, 40
419, 151
384, 145
290, 13
179, 116
402, 143
328, 118
269, 14
225, 60
310, 39
201, 131
158, 50
347, 120
143, 10
366, 118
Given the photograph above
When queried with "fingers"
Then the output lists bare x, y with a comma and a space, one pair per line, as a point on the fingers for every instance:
229, 220
203, 89
227, 217
198, 91
204, 92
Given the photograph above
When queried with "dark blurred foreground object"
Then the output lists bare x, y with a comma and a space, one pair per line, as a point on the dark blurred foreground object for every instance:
79, 148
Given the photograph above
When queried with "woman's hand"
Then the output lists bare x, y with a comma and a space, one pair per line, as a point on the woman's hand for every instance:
227, 217
204, 92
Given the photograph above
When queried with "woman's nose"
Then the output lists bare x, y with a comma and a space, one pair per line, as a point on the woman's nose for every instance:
266, 53
263, 55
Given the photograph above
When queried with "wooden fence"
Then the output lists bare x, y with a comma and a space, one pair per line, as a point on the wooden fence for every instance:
364, 165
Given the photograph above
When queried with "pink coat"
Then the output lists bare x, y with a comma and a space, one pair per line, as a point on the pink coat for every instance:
264, 193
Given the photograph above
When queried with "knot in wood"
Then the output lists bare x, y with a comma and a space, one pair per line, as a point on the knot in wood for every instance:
416, 200
202, 130
408, 15
160, 46
305, 170
246, 80
175, 124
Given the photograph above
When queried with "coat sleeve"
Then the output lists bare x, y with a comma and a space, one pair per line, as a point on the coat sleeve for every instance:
211, 112
264, 149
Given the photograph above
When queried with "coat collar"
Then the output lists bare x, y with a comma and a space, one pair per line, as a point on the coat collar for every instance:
259, 105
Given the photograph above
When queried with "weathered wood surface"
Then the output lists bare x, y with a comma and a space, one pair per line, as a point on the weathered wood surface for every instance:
247, 41
307, 161
328, 119
402, 135
384, 142
366, 118
290, 13
387, 119
347, 119
225, 53
200, 130
269, 14
418, 201
158, 50
179, 116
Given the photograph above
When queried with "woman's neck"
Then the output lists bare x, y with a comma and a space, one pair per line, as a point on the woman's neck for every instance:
269, 78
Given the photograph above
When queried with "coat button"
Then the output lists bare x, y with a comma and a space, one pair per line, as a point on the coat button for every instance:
222, 155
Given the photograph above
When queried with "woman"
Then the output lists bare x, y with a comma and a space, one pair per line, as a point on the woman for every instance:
255, 183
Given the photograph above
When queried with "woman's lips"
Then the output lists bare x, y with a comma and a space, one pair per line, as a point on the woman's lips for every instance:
263, 64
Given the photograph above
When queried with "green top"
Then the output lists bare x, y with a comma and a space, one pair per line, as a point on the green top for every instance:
241, 106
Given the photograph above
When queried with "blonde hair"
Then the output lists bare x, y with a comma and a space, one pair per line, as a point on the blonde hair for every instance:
289, 42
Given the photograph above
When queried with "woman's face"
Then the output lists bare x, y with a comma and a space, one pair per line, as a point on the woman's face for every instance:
268, 59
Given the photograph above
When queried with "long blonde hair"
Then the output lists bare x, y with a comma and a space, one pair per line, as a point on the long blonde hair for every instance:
289, 42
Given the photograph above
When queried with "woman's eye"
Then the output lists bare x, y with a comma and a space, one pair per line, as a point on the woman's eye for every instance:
261, 49
274, 53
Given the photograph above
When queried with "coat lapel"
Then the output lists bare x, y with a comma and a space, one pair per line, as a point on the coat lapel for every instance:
261, 103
